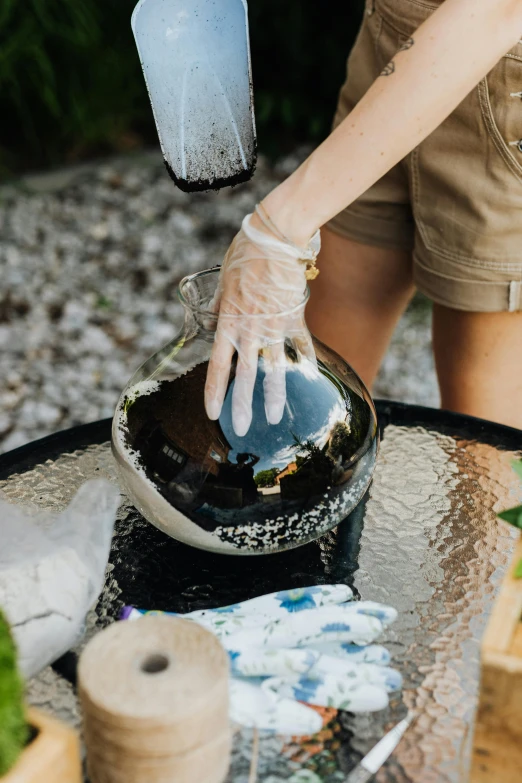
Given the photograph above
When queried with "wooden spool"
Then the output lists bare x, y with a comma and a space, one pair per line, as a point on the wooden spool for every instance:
154, 694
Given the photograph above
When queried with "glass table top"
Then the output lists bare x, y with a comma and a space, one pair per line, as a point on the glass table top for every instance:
425, 540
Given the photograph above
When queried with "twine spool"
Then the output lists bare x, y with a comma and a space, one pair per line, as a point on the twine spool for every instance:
154, 695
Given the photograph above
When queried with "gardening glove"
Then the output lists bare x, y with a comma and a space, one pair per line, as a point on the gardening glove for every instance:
52, 571
310, 645
261, 298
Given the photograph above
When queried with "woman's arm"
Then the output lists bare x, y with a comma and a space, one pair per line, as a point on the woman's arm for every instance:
450, 53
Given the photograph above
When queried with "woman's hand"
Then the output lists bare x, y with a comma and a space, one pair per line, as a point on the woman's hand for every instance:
261, 298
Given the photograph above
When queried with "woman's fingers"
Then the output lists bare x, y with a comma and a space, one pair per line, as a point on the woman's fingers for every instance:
218, 373
242, 396
274, 384
304, 344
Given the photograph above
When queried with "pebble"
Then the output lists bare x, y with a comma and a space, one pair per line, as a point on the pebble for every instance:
89, 260
5, 424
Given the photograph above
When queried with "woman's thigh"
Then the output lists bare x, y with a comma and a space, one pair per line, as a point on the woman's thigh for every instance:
479, 363
358, 298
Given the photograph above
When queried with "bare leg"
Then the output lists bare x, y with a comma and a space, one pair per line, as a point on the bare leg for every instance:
479, 363
357, 300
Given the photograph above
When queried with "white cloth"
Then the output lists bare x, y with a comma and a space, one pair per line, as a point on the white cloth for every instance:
52, 571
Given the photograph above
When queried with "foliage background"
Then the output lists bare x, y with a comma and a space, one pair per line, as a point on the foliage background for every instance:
71, 84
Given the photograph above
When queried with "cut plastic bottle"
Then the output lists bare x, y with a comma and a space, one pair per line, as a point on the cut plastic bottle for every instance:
195, 56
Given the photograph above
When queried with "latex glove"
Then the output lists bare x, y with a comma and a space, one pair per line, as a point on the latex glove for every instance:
52, 570
302, 645
261, 298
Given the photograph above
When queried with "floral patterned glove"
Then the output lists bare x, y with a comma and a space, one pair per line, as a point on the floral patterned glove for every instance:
312, 645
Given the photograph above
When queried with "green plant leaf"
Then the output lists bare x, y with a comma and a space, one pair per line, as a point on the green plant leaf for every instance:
513, 516
14, 731
103, 302
517, 574
517, 467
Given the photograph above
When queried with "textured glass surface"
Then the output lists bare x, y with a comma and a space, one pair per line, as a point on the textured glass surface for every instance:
426, 541
278, 486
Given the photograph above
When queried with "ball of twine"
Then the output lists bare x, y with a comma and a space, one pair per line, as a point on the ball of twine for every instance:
154, 696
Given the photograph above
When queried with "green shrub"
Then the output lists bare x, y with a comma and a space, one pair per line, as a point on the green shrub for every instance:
14, 731
71, 83
299, 53
70, 79
266, 478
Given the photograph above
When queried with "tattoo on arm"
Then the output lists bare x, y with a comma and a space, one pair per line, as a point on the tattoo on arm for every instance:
390, 68
407, 45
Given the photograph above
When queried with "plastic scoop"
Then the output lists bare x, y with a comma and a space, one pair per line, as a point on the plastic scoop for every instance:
195, 56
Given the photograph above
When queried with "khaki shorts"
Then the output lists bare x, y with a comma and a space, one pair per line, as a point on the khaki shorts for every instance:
456, 201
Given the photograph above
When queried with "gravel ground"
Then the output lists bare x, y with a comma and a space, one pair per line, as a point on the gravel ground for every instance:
89, 260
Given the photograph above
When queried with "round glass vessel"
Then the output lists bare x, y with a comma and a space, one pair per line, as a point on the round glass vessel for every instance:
275, 488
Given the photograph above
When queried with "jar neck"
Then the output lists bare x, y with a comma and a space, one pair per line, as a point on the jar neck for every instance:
198, 321
206, 321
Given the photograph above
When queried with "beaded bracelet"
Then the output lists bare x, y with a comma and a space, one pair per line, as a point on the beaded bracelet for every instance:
307, 255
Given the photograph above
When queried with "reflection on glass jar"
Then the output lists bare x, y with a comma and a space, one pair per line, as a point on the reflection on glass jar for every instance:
277, 487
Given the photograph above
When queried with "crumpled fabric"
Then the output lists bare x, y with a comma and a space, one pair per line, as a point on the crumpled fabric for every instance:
313, 645
261, 298
52, 570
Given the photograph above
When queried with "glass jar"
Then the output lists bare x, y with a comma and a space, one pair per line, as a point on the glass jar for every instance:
275, 488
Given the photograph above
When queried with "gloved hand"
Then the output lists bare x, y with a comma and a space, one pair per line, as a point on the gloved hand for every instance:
261, 299
310, 645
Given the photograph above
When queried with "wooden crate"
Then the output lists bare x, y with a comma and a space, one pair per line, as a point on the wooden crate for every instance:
53, 756
497, 746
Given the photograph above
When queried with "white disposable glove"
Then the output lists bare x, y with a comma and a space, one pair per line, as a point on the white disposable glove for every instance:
261, 299
310, 645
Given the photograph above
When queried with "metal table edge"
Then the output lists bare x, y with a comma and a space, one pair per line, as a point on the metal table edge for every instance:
69, 440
